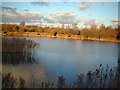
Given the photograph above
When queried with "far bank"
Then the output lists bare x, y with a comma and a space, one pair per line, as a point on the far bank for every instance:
65, 36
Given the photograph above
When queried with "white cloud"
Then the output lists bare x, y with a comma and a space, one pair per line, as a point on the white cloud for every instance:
115, 21
8, 9
83, 6
57, 8
26, 16
80, 19
92, 21
41, 3
63, 17
30, 16
54, 18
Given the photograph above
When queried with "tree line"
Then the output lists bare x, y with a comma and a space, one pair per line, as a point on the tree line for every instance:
101, 32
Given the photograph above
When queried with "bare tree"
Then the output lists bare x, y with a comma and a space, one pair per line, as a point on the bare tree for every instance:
68, 26
63, 25
74, 26
22, 24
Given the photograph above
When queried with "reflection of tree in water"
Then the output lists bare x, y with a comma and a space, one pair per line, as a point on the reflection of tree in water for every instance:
119, 64
118, 83
118, 57
17, 58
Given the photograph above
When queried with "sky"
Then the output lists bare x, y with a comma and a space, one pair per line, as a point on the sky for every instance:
57, 13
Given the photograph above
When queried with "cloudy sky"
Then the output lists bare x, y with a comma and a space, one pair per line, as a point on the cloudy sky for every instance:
57, 13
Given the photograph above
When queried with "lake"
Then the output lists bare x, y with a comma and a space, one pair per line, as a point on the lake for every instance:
67, 57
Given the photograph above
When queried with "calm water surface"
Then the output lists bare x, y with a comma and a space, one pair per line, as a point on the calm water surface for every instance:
67, 57
70, 57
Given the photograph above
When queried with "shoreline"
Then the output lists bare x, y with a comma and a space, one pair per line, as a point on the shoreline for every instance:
62, 36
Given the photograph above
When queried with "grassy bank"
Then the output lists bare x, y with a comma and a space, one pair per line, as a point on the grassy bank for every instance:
65, 36
103, 33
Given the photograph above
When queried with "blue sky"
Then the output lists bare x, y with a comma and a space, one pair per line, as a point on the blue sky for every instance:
56, 13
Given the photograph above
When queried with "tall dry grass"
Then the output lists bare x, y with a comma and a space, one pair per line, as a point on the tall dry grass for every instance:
17, 50
102, 77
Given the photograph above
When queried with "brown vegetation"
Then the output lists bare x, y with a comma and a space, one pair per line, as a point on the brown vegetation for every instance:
108, 33
12, 53
16, 50
100, 78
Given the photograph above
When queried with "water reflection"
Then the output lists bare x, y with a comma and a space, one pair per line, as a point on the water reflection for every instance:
119, 58
118, 83
33, 74
68, 57
71, 57
119, 65
17, 58
17, 50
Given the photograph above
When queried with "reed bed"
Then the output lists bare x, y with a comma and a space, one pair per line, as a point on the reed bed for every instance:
102, 77
17, 44
17, 50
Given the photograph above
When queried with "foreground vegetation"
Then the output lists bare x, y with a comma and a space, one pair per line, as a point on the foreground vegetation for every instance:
100, 78
92, 32
16, 50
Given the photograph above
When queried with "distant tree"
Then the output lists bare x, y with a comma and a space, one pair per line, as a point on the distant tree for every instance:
0, 27
118, 36
68, 26
32, 30
102, 27
78, 32
74, 26
25, 30
55, 33
40, 24
84, 32
118, 33
22, 24
93, 31
63, 26
21, 29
